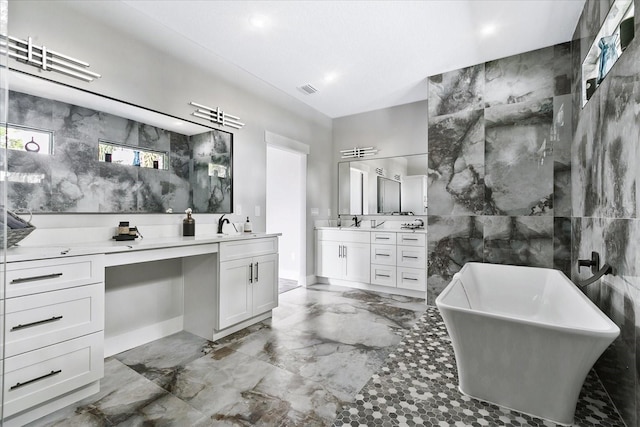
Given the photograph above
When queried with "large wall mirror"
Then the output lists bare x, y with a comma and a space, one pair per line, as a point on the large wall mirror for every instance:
72, 151
384, 186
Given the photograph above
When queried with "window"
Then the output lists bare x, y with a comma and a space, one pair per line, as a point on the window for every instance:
23, 138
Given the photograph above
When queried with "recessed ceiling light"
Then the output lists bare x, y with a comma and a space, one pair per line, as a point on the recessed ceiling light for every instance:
259, 21
330, 77
488, 30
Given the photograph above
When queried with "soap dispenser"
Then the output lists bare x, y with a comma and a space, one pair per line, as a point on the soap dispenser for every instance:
247, 226
188, 224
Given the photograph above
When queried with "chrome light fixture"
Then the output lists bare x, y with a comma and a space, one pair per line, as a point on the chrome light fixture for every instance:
46, 59
216, 115
357, 152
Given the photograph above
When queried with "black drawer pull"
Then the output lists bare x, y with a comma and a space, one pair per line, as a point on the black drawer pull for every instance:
34, 278
409, 278
39, 322
382, 275
50, 374
383, 255
409, 256
382, 238
413, 240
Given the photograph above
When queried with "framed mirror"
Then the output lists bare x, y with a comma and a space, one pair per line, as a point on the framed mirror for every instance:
73, 151
383, 186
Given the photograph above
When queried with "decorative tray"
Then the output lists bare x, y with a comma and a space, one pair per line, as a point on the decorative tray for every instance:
122, 237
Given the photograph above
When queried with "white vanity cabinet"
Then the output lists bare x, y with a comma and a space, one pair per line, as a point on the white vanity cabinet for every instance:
385, 258
53, 329
343, 255
411, 261
248, 280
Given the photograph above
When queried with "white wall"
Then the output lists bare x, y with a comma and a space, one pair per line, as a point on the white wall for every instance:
144, 75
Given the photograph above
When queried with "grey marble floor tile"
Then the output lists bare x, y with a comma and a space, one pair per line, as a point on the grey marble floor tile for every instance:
153, 361
235, 388
125, 398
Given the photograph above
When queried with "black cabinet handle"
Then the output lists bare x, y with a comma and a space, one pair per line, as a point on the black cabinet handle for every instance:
50, 374
409, 278
34, 278
256, 271
382, 275
383, 255
409, 256
251, 273
39, 322
382, 238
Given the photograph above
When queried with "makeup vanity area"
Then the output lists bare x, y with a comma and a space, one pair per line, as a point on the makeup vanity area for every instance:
55, 340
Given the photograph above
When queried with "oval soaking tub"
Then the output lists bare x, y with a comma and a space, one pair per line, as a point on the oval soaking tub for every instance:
524, 338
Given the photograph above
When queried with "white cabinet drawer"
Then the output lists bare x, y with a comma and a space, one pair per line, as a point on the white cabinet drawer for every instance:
37, 376
247, 248
35, 321
383, 275
412, 278
411, 239
383, 254
344, 236
30, 277
383, 238
410, 256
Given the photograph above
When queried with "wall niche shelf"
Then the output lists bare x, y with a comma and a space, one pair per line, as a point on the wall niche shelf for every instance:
618, 28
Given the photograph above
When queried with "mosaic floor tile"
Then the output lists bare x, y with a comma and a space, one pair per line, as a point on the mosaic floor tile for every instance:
418, 386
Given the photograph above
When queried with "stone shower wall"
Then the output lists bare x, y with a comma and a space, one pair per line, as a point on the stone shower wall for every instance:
605, 202
499, 139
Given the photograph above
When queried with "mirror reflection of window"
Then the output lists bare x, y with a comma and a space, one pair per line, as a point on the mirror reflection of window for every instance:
112, 152
219, 171
23, 138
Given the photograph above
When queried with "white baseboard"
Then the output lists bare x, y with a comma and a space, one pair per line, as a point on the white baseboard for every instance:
375, 288
52, 405
310, 280
235, 328
128, 340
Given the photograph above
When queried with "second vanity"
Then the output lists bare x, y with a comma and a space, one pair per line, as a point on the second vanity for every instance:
388, 260
60, 300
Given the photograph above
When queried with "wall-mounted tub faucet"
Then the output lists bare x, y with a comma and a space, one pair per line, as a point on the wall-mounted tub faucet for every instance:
597, 272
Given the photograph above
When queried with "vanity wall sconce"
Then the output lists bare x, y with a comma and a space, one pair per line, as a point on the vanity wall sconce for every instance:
356, 152
46, 59
216, 115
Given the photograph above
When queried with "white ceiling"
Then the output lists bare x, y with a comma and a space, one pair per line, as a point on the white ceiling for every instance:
378, 52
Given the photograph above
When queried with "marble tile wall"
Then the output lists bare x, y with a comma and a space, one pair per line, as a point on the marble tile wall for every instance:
605, 154
499, 144
72, 179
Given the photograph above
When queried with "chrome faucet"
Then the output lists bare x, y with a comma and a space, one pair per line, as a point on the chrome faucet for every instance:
356, 222
221, 223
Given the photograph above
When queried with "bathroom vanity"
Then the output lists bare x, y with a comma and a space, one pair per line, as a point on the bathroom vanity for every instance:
55, 305
386, 260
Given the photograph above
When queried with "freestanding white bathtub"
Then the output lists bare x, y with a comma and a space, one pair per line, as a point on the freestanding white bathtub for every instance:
524, 338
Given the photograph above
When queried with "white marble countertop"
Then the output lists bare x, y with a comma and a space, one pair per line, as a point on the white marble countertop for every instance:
380, 229
26, 253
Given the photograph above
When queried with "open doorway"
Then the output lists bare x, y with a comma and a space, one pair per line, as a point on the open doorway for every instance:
285, 210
